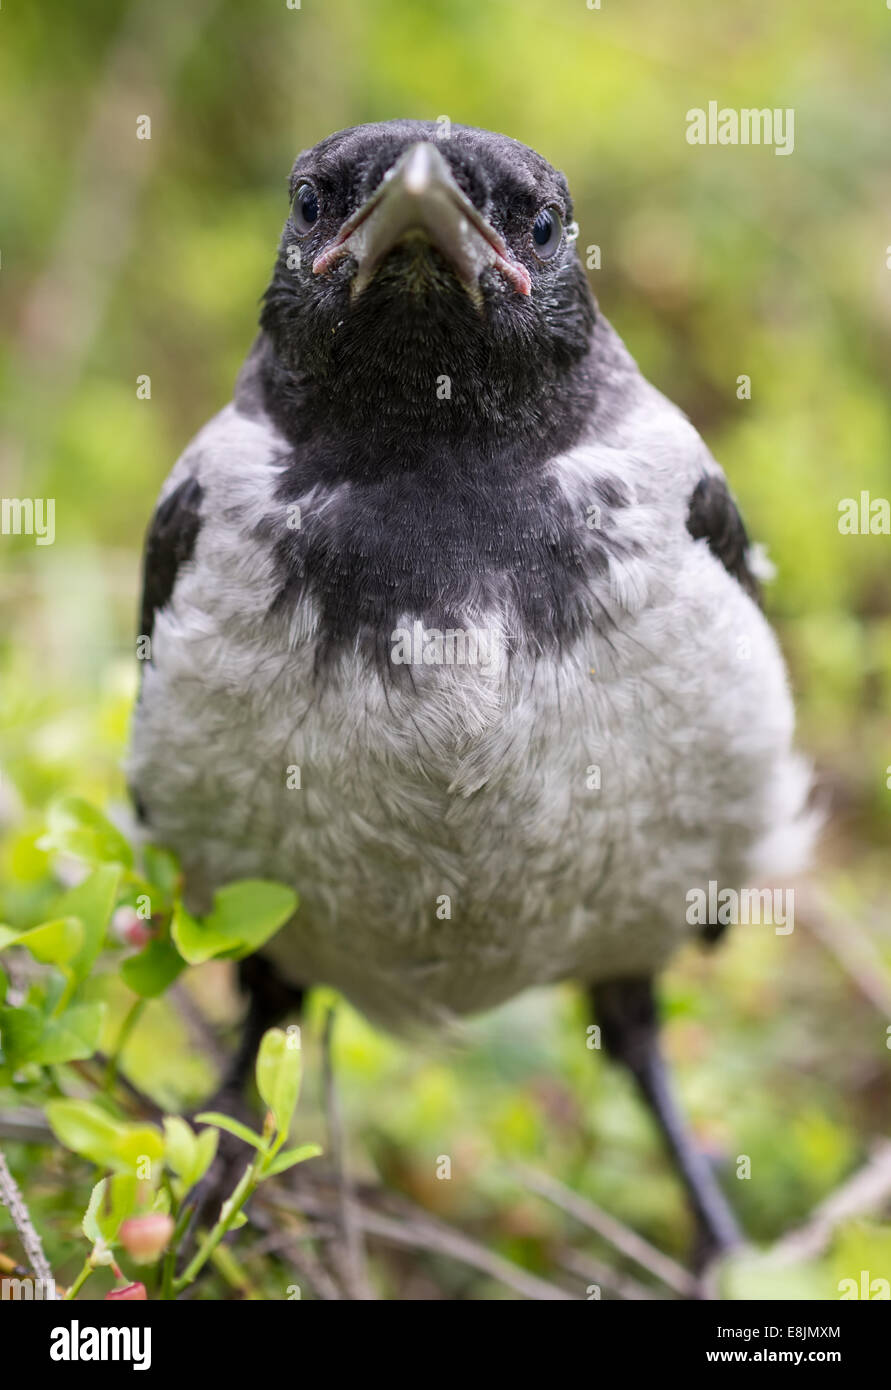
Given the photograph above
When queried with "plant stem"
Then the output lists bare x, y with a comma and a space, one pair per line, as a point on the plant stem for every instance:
130, 1021
182, 1221
225, 1263
246, 1186
13, 1200
80, 1280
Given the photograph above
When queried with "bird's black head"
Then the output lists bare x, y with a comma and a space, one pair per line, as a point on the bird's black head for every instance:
427, 287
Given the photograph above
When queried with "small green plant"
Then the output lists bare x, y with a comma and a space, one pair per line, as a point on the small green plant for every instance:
51, 1022
144, 1204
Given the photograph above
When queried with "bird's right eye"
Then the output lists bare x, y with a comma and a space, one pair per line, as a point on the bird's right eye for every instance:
305, 208
547, 233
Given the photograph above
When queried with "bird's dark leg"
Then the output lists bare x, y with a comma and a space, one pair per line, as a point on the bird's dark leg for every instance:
627, 1015
270, 1000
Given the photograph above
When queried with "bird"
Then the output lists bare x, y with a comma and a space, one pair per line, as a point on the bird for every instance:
453, 625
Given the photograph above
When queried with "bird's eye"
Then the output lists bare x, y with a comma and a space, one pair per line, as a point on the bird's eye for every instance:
547, 233
305, 208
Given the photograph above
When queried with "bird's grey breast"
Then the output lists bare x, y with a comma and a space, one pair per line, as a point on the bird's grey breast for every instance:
478, 734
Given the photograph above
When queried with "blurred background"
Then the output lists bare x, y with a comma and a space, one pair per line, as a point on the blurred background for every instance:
126, 257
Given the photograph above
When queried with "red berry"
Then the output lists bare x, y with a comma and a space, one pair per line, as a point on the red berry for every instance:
129, 1291
146, 1237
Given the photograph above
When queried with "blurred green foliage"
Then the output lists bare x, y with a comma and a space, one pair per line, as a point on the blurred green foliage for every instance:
123, 257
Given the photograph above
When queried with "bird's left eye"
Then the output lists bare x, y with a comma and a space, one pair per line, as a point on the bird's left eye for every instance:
547, 233
305, 208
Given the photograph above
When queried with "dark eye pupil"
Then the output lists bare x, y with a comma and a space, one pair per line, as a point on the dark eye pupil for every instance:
547, 234
543, 227
308, 204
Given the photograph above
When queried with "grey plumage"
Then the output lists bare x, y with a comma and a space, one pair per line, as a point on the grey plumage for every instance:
460, 831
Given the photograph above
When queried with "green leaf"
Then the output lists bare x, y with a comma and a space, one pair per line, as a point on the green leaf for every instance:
90, 1223
213, 1117
111, 1202
748, 1275
124, 1189
139, 1141
180, 1145
187, 1153
85, 1129
288, 1157
162, 872
243, 917
20, 1032
76, 827
89, 1130
27, 1035
92, 902
208, 1140
278, 1075
861, 1263
162, 1201
153, 970
52, 943
71, 1037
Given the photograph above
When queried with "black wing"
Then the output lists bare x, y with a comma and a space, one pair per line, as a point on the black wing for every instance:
169, 545
713, 517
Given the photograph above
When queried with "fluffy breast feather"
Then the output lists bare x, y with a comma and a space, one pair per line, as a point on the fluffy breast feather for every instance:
447, 839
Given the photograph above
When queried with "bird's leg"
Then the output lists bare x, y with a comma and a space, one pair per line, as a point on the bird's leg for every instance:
270, 1000
627, 1015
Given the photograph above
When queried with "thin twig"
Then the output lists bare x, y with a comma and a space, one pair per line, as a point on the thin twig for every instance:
415, 1230
26, 1126
137, 1101
307, 1265
596, 1272
12, 1198
353, 1256
620, 1236
310, 1267
290, 1244
865, 1193
852, 947
426, 1235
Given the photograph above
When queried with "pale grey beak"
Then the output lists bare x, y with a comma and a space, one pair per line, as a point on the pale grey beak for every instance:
420, 195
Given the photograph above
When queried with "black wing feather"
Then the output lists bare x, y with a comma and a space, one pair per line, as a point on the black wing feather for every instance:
713, 516
169, 545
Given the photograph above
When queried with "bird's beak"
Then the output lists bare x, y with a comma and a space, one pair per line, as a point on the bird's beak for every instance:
419, 195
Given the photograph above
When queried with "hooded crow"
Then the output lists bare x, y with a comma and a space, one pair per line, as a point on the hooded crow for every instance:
454, 624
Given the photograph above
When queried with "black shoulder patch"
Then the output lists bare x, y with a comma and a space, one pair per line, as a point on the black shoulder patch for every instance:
713, 517
169, 544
